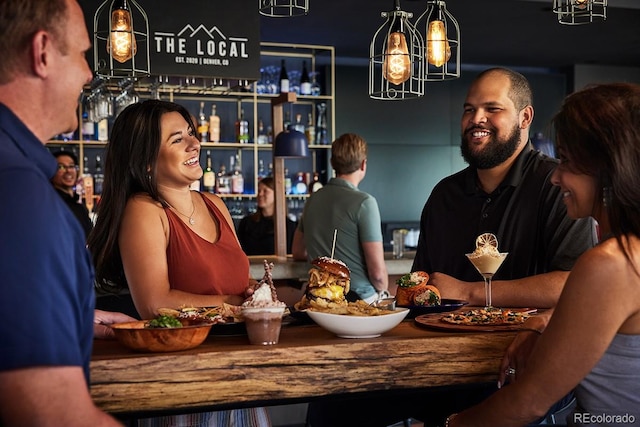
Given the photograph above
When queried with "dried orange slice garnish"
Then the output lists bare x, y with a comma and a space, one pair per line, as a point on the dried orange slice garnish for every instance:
487, 239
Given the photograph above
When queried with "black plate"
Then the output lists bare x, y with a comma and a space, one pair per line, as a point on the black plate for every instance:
447, 305
299, 317
229, 328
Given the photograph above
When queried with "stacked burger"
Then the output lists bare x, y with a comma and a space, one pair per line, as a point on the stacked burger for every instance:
329, 281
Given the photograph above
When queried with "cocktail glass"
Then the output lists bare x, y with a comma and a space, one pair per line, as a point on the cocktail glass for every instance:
487, 265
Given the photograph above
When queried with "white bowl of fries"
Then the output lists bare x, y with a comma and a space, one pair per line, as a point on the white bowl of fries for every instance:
359, 326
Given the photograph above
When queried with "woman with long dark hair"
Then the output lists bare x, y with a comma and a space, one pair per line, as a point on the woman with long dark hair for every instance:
170, 245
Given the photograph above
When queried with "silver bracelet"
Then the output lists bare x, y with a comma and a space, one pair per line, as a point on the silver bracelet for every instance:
448, 420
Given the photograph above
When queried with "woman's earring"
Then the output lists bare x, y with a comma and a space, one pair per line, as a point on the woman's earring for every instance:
606, 196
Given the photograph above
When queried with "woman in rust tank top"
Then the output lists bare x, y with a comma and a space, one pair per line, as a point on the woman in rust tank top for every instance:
169, 245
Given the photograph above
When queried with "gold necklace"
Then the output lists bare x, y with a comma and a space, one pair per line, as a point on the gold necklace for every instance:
189, 217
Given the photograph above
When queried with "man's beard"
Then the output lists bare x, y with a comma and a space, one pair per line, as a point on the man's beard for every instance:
493, 153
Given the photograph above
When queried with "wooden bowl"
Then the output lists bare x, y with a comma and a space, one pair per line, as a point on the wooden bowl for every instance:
135, 336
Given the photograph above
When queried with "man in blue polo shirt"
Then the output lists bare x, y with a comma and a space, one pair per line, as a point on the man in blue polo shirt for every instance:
46, 276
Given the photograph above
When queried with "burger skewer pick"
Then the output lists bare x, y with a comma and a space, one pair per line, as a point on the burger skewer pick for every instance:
333, 245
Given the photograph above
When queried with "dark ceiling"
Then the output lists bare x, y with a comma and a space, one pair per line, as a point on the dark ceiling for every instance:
519, 33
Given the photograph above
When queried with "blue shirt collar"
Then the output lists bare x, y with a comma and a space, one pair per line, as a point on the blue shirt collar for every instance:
26, 142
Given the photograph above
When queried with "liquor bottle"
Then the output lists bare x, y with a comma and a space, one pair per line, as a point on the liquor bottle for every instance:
261, 172
242, 128
79, 189
315, 86
98, 178
209, 177
287, 120
298, 125
305, 83
321, 125
203, 125
310, 130
284, 78
270, 174
103, 130
214, 125
222, 183
262, 136
88, 127
87, 185
287, 182
237, 180
300, 185
315, 184
269, 134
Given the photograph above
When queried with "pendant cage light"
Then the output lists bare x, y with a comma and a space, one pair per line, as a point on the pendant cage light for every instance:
121, 40
283, 8
396, 58
442, 42
578, 12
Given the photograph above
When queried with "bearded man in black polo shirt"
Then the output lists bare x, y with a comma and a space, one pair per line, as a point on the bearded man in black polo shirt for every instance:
505, 191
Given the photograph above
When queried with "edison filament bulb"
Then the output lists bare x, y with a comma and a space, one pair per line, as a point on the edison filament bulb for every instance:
122, 43
581, 4
438, 49
397, 64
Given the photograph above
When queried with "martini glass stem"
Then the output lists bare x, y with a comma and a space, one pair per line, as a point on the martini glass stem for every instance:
487, 291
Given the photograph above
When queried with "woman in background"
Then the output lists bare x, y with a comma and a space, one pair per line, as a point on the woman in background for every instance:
592, 341
256, 231
170, 245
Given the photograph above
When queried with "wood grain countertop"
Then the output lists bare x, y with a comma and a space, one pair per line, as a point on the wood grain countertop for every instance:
308, 362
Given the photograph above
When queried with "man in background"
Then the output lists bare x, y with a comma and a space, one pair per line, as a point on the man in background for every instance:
46, 291
353, 215
64, 181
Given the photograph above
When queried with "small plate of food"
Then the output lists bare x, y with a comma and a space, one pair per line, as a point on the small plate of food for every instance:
415, 293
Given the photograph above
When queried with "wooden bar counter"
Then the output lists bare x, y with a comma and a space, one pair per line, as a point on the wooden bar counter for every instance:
308, 362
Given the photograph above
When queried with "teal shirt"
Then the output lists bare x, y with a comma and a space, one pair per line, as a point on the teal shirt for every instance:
355, 214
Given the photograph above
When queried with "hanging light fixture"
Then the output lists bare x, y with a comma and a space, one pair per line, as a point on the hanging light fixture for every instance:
283, 8
577, 12
122, 42
121, 34
442, 42
396, 58
291, 143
